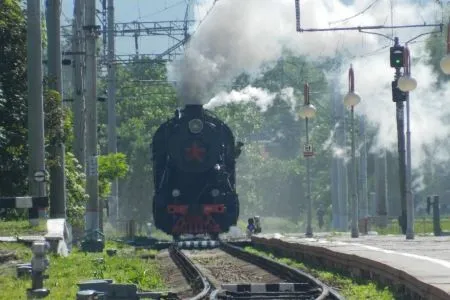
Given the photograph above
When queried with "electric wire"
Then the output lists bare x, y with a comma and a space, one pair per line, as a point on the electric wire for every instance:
162, 10
204, 18
356, 15
138, 9
392, 19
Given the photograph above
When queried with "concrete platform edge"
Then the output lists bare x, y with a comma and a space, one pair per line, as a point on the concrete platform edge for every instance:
356, 266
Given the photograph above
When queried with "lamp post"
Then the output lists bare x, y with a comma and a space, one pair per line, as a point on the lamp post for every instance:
308, 111
351, 100
406, 84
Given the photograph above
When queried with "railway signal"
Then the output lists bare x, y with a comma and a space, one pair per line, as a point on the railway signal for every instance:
397, 55
397, 94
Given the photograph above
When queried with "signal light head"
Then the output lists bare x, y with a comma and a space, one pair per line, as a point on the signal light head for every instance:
396, 57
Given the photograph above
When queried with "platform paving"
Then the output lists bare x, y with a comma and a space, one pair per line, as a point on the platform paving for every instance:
426, 258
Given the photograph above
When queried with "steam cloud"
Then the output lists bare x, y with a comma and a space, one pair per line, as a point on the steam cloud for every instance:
242, 35
262, 98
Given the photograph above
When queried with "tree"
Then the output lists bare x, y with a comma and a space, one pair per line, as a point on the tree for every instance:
141, 108
13, 128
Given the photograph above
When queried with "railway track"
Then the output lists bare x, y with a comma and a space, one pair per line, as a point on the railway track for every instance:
211, 273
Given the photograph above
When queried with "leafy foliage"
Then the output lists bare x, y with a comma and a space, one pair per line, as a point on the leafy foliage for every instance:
76, 193
13, 132
269, 171
141, 108
54, 125
110, 167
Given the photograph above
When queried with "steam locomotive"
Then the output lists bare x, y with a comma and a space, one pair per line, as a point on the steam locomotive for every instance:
194, 158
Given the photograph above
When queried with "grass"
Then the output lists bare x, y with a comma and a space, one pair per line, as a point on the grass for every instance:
350, 288
121, 232
22, 252
422, 226
22, 227
65, 272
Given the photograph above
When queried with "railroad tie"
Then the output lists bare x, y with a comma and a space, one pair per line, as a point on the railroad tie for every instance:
197, 244
263, 287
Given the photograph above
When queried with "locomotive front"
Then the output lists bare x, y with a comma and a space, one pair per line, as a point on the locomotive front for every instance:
194, 158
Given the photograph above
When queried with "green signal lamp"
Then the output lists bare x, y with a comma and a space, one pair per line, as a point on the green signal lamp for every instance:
396, 57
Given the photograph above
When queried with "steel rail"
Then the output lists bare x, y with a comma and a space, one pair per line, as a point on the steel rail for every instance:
199, 283
284, 272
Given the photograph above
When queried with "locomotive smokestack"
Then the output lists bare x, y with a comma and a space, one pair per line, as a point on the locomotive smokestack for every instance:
193, 109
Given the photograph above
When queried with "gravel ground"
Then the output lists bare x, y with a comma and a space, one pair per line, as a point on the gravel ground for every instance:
221, 267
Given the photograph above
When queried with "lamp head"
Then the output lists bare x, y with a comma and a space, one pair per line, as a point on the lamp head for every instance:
351, 99
445, 64
407, 83
307, 111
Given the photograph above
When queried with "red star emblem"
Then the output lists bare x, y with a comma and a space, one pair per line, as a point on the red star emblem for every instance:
195, 152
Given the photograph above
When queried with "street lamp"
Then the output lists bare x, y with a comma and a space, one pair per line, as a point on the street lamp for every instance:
308, 111
351, 100
406, 84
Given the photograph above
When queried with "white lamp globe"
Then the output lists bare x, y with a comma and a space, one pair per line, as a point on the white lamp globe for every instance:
351, 99
445, 64
308, 111
406, 83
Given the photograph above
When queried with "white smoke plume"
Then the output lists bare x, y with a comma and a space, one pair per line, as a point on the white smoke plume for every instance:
242, 35
261, 97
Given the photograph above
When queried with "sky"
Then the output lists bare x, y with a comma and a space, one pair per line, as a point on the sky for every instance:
138, 10
152, 10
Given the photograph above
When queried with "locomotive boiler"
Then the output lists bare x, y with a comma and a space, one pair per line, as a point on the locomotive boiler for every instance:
194, 160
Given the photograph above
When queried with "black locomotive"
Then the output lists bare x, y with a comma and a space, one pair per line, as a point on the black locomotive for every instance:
194, 158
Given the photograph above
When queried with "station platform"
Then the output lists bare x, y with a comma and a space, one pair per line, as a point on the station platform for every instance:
419, 267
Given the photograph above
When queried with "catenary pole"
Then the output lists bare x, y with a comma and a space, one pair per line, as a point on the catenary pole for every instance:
112, 134
35, 103
91, 34
57, 148
78, 47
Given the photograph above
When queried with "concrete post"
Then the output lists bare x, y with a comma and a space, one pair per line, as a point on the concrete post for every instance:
91, 33
35, 104
79, 100
112, 134
57, 150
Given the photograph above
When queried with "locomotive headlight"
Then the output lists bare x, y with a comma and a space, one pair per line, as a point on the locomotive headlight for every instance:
176, 193
195, 125
215, 192
217, 167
